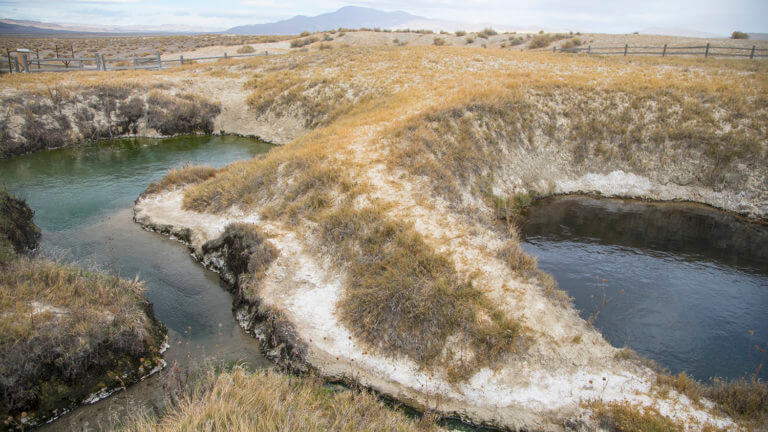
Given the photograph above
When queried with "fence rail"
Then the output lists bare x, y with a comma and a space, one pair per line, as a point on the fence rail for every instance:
23, 62
707, 50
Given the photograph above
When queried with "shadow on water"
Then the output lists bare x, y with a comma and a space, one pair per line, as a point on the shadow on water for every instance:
83, 199
694, 279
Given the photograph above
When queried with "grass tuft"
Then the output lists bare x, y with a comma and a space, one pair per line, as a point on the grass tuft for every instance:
242, 401
186, 175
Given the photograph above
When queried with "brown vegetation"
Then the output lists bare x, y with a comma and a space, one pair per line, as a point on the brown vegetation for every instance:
186, 175
18, 233
240, 400
66, 333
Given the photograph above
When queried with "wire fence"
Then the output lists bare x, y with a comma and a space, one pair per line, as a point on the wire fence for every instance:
707, 50
29, 62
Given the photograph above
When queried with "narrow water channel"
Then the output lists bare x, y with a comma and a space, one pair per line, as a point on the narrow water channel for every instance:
685, 283
83, 199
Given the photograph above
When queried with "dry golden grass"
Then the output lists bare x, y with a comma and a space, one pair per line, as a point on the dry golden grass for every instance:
742, 399
625, 417
454, 116
239, 400
471, 108
186, 175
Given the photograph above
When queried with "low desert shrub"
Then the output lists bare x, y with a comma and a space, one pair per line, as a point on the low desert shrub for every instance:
486, 33
739, 35
184, 114
571, 44
129, 113
543, 40
460, 33
438, 41
246, 49
299, 43
45, 132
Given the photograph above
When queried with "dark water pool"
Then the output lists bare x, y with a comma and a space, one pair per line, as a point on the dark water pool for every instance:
687, 283
83, 199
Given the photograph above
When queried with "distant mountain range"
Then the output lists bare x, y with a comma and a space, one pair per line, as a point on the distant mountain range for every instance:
25, 27
347, 17
353, 17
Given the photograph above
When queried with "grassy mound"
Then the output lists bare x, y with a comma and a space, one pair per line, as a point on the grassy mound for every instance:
66, 333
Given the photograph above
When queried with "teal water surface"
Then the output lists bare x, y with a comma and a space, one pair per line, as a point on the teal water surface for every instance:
83, 201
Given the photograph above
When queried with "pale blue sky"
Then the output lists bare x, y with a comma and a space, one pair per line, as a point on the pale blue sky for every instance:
617, 16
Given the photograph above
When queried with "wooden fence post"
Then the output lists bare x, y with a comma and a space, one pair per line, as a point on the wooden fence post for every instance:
159, 62
554, 49
181, 60
589, 49
664, 53
225, 56
98, 61
10, 63
752, 54
16, 64
626, 48
25, 62
706, 50
37, 55
103, 62
266, 53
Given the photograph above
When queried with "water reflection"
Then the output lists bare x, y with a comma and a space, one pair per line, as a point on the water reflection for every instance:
695, 280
